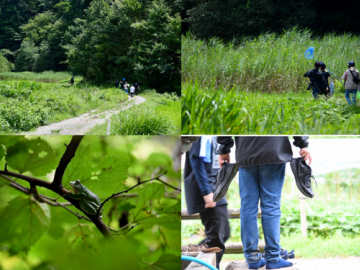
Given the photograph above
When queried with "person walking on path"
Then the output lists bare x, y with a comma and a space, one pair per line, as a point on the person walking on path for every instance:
137, 88
117, 84
261, 162
350, 77
319, 85
122, 85
72, 80
126, 87
201, 167
132, 91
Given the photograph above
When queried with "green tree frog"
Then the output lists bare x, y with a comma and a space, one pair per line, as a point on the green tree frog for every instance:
89, 202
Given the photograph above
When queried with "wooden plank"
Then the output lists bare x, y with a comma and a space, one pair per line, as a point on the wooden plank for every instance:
210, 258
230, 248
233, 213
303, 215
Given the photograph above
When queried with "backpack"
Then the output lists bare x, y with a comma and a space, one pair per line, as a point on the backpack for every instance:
355, 79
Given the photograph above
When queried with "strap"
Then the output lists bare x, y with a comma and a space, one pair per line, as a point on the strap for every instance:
351, 73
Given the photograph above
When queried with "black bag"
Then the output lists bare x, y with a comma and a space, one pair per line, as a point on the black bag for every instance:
355, 79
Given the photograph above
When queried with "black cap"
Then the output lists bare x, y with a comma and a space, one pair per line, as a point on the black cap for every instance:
351, 63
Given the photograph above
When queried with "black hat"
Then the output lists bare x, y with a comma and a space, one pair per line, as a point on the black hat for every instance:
351, 63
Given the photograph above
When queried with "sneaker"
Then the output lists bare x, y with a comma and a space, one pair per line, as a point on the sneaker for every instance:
303, 174
223, 179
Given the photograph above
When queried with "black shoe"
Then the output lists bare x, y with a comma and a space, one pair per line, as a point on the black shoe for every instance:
223, 179
302, 173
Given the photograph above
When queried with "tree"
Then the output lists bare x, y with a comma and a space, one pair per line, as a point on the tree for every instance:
32, 218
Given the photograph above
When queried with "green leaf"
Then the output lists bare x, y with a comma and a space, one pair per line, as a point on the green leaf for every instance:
24, 221
166, 262
170, 222
126, 207
148, 192
2, 152
35, 156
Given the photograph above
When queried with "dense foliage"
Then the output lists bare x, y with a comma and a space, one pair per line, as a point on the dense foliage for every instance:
97, 39
234, 18
45, 235
267, 63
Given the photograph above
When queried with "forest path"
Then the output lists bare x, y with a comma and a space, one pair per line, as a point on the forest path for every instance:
82, 124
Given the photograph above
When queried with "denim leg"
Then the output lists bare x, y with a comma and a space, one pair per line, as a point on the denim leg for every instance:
316, 92
249, 194
271, 179
350, 95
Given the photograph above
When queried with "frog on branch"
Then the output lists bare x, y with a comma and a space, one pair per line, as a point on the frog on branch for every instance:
89, 202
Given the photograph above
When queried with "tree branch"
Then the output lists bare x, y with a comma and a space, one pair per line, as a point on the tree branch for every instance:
138, 184
132, 227
65, 159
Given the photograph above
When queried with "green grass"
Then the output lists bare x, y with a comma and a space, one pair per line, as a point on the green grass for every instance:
25, 105
46, 76
210, 111
268, 63
158, 115
258, 87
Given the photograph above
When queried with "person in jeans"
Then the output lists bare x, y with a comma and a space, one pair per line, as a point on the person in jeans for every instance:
261, 162
319, 85
350, 86
201, 167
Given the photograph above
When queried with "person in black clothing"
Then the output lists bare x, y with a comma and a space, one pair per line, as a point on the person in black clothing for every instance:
72, 80
199, 182
117, 84
261, 162
137, 87
326, 76
319, 85
122, 85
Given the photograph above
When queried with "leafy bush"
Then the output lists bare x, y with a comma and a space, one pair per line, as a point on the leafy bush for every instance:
5, 65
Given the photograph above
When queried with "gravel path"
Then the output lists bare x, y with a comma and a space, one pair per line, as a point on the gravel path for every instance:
335, 263
80, 125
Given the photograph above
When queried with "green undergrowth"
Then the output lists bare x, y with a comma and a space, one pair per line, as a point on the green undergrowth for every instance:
158, 115
25, 105
210, 111
267, 63
46, 76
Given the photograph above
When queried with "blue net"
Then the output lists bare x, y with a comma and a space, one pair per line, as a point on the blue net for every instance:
309, 53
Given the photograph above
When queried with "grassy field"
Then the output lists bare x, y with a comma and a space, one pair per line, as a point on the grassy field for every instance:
210, 111
26, 104
158, 115
257, 86
46, 76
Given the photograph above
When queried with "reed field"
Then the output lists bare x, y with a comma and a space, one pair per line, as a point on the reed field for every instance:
258, 86
46, 76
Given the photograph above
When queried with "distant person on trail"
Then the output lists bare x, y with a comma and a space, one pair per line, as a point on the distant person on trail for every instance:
72, 80
117, 84
352, 79
318, 82
122, 85
132, 91
137, 88
326, 76
126, 87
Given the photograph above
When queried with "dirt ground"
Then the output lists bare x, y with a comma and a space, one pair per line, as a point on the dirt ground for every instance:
82, 124
335, 263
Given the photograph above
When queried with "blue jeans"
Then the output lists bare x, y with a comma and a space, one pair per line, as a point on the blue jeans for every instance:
265, 183
350, 95
316, 92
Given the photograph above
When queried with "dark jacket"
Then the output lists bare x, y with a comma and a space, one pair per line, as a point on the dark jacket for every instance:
317, 78
256, 151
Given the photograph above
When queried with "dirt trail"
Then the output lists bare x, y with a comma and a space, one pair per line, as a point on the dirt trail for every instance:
81, 124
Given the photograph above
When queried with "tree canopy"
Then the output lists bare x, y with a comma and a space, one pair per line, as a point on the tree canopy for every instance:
98, 39
236, 18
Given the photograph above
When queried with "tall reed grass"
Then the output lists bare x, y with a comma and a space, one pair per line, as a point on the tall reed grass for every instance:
268, 63
46, 76
209, 111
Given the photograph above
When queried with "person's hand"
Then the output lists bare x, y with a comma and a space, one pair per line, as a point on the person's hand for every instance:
209, 203
327, 88
305, 153
223, 158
